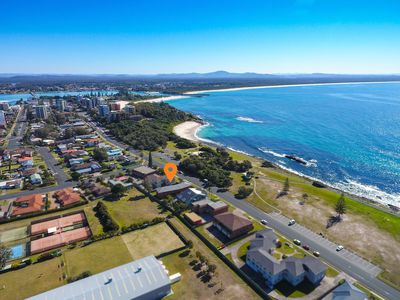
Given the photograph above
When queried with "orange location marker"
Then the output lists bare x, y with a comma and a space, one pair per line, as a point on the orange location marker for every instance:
170, 170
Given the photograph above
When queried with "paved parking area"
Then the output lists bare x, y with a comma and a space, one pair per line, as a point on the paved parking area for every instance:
350, 256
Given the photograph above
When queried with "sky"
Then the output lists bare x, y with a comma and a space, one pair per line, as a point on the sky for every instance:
149, 37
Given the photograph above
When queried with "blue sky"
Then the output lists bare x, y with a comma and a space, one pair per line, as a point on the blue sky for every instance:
146, 37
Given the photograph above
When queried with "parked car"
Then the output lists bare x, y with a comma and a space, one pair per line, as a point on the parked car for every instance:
264, 222
306, 247
339, 248
292, 222
297, 242
316, 253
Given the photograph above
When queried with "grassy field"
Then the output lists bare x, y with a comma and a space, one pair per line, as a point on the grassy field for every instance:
31, 280
132, 208
243, 250
97, 257
153, 240
93, 221
191, 287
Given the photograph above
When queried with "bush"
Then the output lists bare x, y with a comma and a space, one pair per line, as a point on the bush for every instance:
243, 192
105, 218
184, 144
80, 276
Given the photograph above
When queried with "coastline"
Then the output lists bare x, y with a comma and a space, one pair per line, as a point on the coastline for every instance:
189, 130
189, 94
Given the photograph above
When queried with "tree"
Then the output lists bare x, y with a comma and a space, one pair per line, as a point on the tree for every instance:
100, 154
118, 190
190, 244
340, 207
211, 268
150, 160
5, 255
75, 176
243, 192
286, 186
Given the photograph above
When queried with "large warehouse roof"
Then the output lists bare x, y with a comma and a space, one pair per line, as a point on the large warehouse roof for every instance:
133, 280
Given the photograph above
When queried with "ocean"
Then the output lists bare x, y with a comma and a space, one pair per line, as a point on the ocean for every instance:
347, 136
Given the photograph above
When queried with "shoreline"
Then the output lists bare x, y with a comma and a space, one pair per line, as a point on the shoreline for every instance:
189, 130
189, 94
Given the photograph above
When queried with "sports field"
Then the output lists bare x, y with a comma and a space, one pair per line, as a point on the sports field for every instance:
153, 240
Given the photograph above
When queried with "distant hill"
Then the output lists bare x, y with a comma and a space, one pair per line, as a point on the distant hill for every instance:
217, 75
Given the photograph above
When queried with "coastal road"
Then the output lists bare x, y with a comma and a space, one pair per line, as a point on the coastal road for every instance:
355, 266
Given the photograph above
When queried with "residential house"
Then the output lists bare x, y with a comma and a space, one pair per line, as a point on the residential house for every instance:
26, 161
346, 291
123, 180
27, 204
191, 195
209, 207
113, 153
294, 270
99, 190
155, 181
143, 172
67, 196
36, 179
75, 161
232, 225
11, 184
91, 142
193, 218
172, 189
86, 168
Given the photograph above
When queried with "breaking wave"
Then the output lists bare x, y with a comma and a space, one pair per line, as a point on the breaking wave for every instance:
249, 120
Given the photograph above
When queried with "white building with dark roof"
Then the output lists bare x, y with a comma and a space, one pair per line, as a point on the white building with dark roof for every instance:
142, 279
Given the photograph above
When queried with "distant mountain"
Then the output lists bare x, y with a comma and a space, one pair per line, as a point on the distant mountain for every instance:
213, 76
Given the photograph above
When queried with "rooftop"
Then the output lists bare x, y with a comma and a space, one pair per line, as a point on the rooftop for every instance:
232, 221
129, 281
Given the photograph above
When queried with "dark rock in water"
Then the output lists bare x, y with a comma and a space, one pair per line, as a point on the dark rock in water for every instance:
267, 164
296, 159
318, 184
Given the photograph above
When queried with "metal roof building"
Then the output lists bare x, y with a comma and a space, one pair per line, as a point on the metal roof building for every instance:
143, 279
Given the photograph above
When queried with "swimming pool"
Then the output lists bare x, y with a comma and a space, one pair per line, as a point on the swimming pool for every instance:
17, 251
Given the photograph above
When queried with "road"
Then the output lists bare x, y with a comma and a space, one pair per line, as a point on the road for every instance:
355, 266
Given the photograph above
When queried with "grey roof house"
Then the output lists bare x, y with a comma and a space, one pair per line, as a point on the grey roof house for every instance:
294, 270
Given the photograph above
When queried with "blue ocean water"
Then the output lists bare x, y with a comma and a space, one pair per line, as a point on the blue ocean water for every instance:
348, 134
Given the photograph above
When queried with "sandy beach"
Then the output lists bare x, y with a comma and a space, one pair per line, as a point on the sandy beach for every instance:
187, 130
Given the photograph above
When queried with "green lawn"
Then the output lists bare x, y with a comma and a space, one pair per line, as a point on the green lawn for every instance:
97, 257
153, 240
32, 280
133, 208
243, 250
331, 272
93, 221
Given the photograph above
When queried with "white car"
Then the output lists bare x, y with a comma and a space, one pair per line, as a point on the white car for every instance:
339, 248
292, 222
264, 222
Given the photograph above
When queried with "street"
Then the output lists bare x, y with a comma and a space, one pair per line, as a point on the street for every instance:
344, 260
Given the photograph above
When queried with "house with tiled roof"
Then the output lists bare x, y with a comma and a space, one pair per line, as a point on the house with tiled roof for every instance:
67, 196
27, 204
232, 225
260, 258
